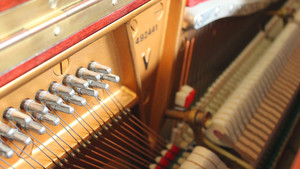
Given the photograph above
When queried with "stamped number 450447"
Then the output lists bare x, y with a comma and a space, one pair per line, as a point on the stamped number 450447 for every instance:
146, 34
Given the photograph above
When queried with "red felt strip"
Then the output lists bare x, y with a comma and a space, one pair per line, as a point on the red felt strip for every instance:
7, 4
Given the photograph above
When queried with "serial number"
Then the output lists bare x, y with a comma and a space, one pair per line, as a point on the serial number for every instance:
146, 34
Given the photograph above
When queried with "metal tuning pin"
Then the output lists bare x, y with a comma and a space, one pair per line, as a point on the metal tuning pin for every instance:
63, 108
86, 74
23, 120
87, 91
6, 151
111, 77
96, 67
17, 116
100, 85
80, 101
36, 127
14, 134
48, 118
70, 98
31, 106
60, 89
73, 81
39, 111
48, 98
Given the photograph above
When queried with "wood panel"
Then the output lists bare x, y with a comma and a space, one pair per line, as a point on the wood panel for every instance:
165, 74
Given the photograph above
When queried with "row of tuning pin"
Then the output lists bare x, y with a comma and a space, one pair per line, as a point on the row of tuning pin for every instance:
54, 100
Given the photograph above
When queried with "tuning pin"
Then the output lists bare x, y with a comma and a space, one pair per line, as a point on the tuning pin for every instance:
31, 106
48, 118
60, 89
63, 108
39, 111
13, 134
36, 127
80, 101
96, 67
86, 74
111, 77
87, 91
6, 151
48, 98
73, 81
19, 117
23, 120
100, 85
